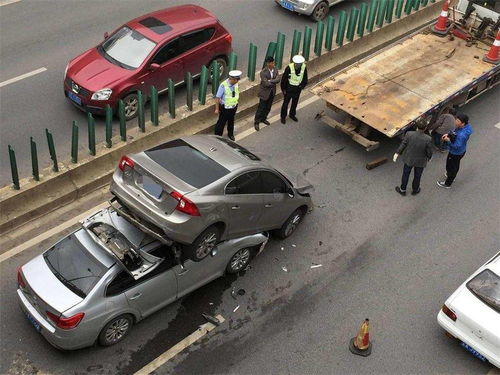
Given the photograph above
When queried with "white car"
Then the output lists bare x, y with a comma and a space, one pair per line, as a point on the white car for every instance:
472, 313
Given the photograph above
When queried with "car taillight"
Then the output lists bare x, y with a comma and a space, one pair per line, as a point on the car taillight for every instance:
228, 38
66, 323
20, 280
125, 161
184, 204
450, 314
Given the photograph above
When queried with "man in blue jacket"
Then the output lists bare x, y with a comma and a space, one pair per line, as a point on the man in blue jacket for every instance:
457, 143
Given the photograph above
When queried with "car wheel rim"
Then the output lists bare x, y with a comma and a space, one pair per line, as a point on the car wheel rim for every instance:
206, 246
117, 330
131, 106
321, 12
292, 225
240, 259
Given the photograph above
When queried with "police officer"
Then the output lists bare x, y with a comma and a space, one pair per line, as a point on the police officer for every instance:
226, 103
293, 81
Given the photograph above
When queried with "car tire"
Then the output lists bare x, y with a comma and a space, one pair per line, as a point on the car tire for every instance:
320, 11
291, 224
222, 68
131, 104
239, 260
116, 330
203, 244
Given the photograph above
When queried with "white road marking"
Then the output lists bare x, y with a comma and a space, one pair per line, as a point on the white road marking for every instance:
7, 2
497, 126
22, 76
179, 347
49, 233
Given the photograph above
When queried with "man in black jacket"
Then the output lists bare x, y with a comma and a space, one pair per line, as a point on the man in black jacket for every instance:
417, 151
293, 81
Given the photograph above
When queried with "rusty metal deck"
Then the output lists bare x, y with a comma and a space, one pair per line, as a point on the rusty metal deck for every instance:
396, 86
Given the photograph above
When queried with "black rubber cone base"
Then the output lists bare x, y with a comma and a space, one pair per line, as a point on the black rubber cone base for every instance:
354, 350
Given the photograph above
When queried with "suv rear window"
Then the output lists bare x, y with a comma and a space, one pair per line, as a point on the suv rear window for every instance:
187, 163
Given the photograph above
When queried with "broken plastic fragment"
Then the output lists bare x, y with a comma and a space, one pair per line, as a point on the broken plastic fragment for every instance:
293, 245
316, 265
233, 294
236, 308
284, 268
282, 248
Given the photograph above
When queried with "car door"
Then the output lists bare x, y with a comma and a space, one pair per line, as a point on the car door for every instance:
277, 203
244, 204
197, 49
171, 65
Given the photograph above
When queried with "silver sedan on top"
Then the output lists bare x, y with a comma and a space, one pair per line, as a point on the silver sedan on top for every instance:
95, 283
202, 189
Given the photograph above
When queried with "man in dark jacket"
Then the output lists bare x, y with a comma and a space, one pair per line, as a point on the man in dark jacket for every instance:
444, 125
457, 144
269, 78
417, 151
293, 81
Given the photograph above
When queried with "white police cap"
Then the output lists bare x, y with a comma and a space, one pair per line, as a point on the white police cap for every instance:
298, 59
235, 74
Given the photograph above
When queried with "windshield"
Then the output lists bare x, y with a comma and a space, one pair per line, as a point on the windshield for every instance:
486, 287
127, 48
74, 266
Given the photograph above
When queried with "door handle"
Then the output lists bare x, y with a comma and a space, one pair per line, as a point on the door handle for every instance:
135, 296
268, 205
235, 208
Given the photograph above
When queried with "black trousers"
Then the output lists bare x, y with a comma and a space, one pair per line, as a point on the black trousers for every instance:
225, 115
264, 108
417, 174
452, 167
294, 97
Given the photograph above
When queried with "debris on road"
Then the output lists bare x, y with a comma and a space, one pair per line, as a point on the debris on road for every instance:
375, 163
241, 292
233, 294
236, 308
210, 303
322, 205
340, 149
211, 319
247, 268
282, 248
284, 268
293, 245
316, 265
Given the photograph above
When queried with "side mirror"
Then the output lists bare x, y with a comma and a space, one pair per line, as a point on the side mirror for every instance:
106, 35
290, 192
154, 66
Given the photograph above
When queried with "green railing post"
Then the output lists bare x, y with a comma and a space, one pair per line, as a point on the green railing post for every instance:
13, 168
52, 150
123, 123
341, 28
399, 8
353, 20
318, 42
189, 90
34, 160
433, 1
390, 11
330, 26
362, 19
154, 106
306, 47
109, 126
233, 60
271, 50
280, 49
408, 6
215, 77
381, 13
424, 3
202, 93
297, 36
252, 62
91, 133
371, 15
74, 143
141, 121
171, 98
416, 4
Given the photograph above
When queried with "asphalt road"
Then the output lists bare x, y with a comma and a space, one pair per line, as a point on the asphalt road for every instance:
385, 257
47, 34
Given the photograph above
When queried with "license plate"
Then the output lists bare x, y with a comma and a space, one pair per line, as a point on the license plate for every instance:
151, 187
33, 321
75, 98
287, 5
473, 351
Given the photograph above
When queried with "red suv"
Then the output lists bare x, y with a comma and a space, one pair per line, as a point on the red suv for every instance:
146, 52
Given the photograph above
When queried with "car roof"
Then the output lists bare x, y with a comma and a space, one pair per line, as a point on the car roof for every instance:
181, 19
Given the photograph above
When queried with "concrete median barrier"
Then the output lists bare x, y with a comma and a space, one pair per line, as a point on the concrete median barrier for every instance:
74, 180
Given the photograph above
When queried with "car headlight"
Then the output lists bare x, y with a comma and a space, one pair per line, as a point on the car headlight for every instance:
102, 94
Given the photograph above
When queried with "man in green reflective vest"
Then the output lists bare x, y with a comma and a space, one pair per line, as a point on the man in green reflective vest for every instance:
226, 103
293, 81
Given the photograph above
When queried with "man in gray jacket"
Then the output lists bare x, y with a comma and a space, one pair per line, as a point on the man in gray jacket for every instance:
445, 124
417, 151
269, 78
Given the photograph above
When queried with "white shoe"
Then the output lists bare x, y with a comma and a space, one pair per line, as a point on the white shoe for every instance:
443, 185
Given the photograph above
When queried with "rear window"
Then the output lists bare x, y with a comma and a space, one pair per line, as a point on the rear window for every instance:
74, 266
486, 287
187, 163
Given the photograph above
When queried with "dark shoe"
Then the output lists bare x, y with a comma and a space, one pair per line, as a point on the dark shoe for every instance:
442, 184
415, 192
231, 137
283, 120
402, 192
256, 126
266, 122
294, 118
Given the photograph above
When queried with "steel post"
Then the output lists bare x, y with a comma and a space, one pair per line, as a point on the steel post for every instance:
215, 77
109, 126
123, 123
341, 28
297, 36
188, 78
233, 60
306, 47
399, 8
280, 49
381, 13
318, 41
34, 160
353, 20
13, 169
271, 50
171, 98
74, 143
202, 93
141, 121
416, 4
362, 19
330, 29
91, 133
408, 6
52, 150
154, 106
390, 11
252, 62
371, 15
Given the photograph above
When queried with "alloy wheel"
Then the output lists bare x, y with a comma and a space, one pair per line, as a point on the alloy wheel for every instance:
240, 259
320, 11
292, 225
131, 106
117, 330
206, 246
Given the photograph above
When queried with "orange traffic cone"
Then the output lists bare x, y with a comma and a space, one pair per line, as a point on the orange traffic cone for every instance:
361, 344
492, 56
440, 27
